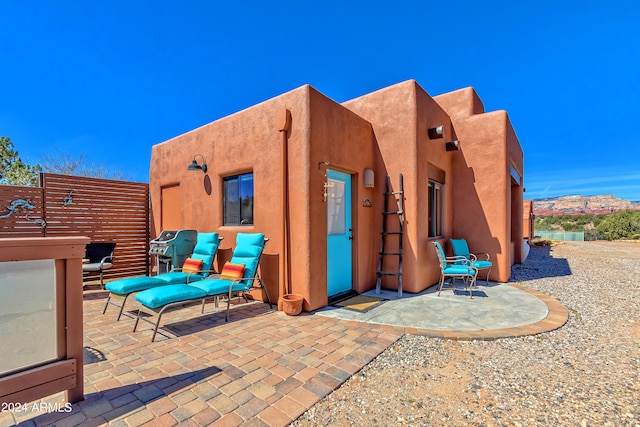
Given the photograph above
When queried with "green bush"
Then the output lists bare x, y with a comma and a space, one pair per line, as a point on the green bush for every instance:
571, 226
621, 225
593, 234
613, 226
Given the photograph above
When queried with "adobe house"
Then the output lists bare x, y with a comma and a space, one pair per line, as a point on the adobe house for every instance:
310, 173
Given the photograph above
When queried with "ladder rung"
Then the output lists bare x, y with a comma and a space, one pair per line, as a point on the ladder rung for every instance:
398, 196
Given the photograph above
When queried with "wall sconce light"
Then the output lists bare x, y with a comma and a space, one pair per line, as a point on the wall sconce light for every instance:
436, 132
453, 145
194, 166
369, 178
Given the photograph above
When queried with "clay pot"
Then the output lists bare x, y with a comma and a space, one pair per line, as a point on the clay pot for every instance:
292, 304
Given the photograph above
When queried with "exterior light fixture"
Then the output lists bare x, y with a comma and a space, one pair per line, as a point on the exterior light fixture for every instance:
453, 145
369, 178
194, 166
436, 132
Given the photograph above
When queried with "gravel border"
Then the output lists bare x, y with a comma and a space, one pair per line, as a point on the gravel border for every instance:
585, 373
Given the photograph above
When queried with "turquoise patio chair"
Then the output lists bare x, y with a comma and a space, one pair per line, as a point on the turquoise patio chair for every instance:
455, 268
460, 248
247, 253
205, 251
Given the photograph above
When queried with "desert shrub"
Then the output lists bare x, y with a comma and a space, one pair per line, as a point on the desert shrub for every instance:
584, 219
593, 234
620, 225
570, 226
613, 226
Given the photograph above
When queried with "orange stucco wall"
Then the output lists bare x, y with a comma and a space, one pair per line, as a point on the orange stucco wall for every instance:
247, 141
386, 131
345, 141
321, 131
488, 209
401, 116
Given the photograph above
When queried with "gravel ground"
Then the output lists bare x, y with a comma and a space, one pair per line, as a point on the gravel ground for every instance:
583, 374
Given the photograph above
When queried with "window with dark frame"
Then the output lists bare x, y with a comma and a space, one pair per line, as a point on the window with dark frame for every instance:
238, 199
436, 211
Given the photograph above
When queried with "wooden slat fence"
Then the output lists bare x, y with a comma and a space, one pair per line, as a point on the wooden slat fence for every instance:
21, 211
101, 209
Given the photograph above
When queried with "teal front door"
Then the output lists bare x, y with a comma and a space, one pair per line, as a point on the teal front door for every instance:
339, 233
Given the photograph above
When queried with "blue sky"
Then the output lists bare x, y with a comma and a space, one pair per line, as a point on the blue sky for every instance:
109, 79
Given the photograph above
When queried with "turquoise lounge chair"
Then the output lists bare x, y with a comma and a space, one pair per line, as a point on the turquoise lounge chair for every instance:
205, 251
455, 268
460, 248
247, 252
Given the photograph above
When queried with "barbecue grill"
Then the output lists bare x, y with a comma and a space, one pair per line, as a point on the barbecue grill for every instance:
171, 248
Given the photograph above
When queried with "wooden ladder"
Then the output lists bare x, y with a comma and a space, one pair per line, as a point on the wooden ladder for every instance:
397, 210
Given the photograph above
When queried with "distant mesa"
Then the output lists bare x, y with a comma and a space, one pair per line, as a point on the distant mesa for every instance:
576, 205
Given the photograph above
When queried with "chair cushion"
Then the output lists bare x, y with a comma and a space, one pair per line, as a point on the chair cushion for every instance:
248, 251
205, 250
460, 248
133, 284
481, 264
163, 295
249, 256
178, 277
459, 269
253, 239
219, 286
96, 266
192, 265
232, 271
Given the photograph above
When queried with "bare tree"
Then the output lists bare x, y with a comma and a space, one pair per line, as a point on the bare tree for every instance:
65, 164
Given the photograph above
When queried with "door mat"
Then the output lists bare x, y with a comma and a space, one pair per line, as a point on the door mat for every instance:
360, 303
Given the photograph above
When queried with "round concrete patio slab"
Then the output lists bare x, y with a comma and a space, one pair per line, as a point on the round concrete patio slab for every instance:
495, 311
